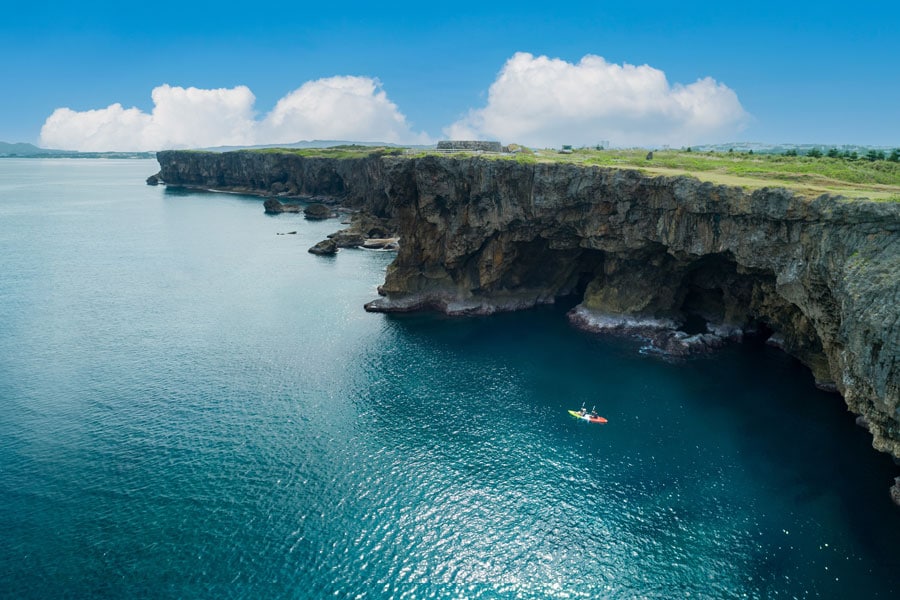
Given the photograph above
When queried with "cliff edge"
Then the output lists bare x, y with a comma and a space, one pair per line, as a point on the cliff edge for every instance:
684, 262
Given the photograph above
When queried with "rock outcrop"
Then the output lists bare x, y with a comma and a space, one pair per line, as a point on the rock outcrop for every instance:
390, 243
363, 229
325, 247
318, 211
351, 182
273, 207
686, 263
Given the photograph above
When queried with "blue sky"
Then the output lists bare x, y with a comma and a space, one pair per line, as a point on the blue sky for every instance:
801, 72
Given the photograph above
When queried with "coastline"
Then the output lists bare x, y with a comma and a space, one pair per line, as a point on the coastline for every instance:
481, 236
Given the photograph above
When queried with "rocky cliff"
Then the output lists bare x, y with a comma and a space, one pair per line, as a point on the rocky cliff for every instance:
685, 263
353, 182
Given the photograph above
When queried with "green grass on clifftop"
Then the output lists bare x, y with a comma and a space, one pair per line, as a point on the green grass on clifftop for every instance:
877, 180
808, 176
348, 151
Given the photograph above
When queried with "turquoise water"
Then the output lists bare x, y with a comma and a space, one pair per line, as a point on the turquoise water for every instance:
193, 406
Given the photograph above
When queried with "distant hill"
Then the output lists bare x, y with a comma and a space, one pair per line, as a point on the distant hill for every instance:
23, 150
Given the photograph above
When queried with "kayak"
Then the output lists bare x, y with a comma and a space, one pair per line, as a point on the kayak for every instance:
587, 417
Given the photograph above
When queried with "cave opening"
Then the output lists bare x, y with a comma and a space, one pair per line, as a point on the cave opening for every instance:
712, 292
563, 272
694, 324
758, 332
701, 305
580, 273
572, 296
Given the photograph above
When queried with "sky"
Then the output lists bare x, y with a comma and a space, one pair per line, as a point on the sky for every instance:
153, 75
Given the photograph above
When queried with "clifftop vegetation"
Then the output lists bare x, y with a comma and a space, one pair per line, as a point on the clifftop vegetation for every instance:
343, 151
808, 175
875, 175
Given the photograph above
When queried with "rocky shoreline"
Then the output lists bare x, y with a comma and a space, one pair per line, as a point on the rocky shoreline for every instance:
646, 255
663, 335
368, 228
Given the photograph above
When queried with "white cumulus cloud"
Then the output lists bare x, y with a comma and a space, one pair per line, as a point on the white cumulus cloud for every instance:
338, 108
539, 101
341, 108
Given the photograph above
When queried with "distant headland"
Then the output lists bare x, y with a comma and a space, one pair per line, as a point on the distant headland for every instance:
23, 150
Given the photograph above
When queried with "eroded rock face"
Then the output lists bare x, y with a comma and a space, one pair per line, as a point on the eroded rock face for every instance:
481, 235
352, 182
823, 274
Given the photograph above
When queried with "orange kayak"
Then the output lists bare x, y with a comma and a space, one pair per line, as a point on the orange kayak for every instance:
587, 417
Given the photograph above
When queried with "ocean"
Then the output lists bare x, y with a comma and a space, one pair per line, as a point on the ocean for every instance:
192, 406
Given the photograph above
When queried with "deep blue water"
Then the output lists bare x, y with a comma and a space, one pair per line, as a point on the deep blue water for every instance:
194, 406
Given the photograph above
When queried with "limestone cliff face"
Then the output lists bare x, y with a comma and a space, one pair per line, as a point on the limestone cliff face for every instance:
355, 182
645, 253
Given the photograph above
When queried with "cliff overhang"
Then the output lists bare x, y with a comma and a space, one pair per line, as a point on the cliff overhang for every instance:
688, 264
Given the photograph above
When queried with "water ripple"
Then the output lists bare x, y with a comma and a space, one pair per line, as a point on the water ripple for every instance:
197, 407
